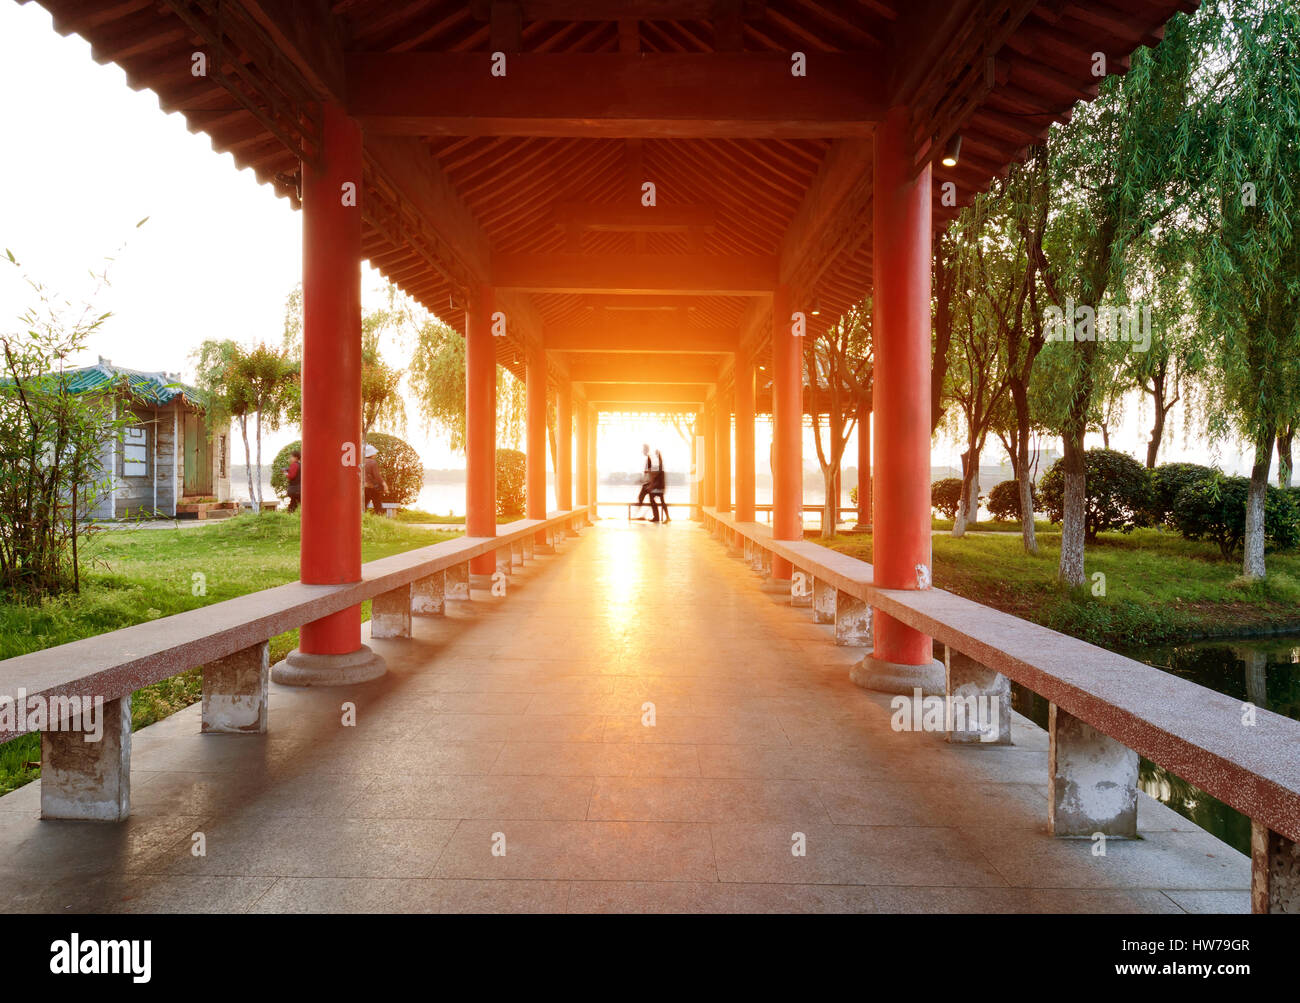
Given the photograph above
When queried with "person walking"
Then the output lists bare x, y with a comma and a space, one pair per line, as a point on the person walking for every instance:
293, 474
375, 485
659, 480
647, 484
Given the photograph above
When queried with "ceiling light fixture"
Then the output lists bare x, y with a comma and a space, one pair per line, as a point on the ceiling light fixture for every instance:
953, 153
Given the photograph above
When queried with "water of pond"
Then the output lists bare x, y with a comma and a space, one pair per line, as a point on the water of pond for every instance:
1263, 671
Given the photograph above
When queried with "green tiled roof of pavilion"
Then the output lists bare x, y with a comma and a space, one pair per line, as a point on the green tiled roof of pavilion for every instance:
157, 389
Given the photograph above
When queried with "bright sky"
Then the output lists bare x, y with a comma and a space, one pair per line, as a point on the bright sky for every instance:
85, 158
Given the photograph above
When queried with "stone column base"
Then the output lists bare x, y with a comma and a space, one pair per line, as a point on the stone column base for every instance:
300, 669
892, 677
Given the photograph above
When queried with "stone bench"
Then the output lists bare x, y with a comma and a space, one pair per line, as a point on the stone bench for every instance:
1106, 710
83, 778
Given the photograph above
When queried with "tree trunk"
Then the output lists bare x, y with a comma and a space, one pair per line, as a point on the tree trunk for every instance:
1074, 523
1020, 398
968, 507
1253, 563
830, 505
248, 455
1285, 438
1157, 433
259, 462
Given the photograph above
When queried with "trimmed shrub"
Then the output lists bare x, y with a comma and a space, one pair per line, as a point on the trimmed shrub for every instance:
1214, 509
1118, 492
280, 483
945, 495
401, 465
1167, 480
511, 492
1004, 500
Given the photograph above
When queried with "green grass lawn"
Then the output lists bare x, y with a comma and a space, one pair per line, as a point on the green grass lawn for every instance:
136, 575
1159, 588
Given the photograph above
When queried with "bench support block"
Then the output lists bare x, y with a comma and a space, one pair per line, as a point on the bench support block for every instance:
1092, 780
979, 702
390, 613
1274, 871
234, 692
801, 589
852, 621
457, 581
517, 553
89, 781
823, 601
527, 546
505, 560
428, 597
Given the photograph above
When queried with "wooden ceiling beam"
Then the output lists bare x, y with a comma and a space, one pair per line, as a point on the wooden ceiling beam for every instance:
609, 94
697, 274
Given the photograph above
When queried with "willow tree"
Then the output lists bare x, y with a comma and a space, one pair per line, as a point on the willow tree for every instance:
838, 364
1119, 170
1247, 283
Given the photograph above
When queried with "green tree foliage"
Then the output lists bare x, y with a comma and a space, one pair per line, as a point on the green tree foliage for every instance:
1119, 169
1004, 500
1167, 480
945, 495
401, 466
258, 383
1214, 508
1119, 492
511, 493
1247, 280
53, 445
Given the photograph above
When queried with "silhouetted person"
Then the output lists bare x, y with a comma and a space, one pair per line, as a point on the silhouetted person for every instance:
376, 486
293, 474
658, 481
647, 485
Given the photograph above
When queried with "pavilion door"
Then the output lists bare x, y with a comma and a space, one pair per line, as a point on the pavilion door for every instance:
198, 457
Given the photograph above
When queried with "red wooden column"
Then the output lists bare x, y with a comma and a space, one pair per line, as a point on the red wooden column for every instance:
592, 486
864, 465
744, 438
564, 447
722, 450
708, 480
697, 468
329, 650
480, 425
902, 658
535, 420
787, 432
583, 419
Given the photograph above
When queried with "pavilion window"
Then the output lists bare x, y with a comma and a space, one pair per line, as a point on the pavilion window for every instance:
135, 451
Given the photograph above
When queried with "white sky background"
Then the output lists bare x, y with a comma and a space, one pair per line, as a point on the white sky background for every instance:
83, 158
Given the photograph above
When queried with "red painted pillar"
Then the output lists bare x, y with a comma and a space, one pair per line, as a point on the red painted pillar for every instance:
864, 464
902, 658
535, 423
332, 450
744, 438
564, 441
722, 429
708, 480
787, 432
592, 479
580, 465
480, 425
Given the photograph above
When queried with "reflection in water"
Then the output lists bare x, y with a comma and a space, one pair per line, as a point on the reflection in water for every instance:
1264, 671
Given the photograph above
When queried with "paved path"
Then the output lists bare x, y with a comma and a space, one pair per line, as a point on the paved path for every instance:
518, 723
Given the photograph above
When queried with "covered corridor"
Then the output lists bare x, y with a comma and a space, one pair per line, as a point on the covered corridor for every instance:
519, 723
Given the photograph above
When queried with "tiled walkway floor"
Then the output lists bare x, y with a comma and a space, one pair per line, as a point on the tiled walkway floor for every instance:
516, 724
